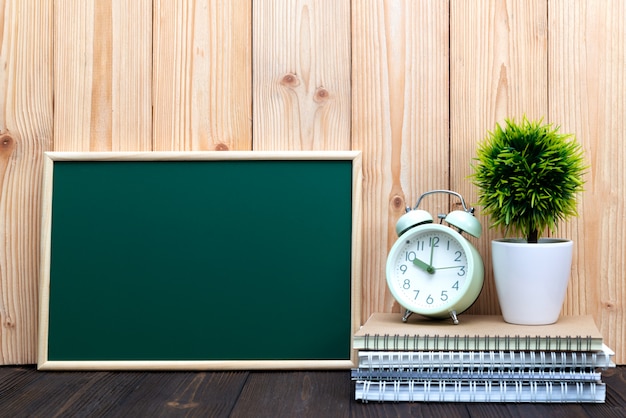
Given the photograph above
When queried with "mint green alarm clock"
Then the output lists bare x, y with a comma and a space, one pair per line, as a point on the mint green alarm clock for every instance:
432, 269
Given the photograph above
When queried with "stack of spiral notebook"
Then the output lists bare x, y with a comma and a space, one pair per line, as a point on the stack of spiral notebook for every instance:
482, 359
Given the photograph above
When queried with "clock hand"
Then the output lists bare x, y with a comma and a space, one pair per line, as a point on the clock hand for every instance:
432, 251
419, 263
449, 267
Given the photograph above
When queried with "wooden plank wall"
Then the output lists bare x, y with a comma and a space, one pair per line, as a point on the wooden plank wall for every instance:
414, 85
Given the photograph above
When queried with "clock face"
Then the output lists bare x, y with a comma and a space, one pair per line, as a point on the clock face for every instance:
430, 270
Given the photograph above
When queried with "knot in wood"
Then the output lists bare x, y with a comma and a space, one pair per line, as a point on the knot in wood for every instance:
290, 80
6, 141
397, 202
321, 95
609, 305
8, 323
221, 147
7, 146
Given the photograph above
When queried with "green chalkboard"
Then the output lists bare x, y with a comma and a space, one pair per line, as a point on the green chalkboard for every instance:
234, 260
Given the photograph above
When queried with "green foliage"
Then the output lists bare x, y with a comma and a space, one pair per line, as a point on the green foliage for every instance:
529, 176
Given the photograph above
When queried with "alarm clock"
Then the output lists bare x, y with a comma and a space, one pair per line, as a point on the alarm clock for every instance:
432, 269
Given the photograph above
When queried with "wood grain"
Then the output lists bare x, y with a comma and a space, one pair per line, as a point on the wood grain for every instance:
202, 75
103, 75
301, 78
301, 394
414, 85
25, 133
24, 392
399, 121
499, 67
587, 98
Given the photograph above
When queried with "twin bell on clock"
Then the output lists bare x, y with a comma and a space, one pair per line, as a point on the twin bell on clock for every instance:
432, 269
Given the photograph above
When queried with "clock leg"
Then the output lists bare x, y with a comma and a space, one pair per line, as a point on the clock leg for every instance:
454, 318
406, 315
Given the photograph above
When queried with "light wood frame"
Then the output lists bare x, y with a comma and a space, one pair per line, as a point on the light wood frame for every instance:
355, 291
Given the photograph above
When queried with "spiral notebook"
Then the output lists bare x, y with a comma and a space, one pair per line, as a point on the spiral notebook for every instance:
491, 360
528, 366
480, 391
386, 331
453, 374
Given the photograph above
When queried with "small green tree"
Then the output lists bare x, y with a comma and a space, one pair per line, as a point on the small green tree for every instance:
528, 176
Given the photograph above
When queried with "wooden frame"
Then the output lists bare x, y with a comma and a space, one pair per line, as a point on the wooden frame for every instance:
58, 244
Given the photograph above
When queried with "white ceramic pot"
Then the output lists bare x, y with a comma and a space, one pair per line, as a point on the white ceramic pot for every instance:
531, 279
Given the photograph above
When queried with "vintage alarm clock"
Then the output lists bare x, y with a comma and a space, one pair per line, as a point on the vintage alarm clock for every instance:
432, 269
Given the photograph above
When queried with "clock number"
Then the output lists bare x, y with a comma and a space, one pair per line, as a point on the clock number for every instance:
403, 268
444, 295
417, 292
430, 299
419, 246
406, 284
461, 271
455, 286
410, 256
434, 242
458, 255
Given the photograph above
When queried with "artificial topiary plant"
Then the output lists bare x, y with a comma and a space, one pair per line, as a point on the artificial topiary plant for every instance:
529, 176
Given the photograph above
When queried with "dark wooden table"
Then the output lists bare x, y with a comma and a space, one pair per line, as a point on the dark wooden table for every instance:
26, 392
